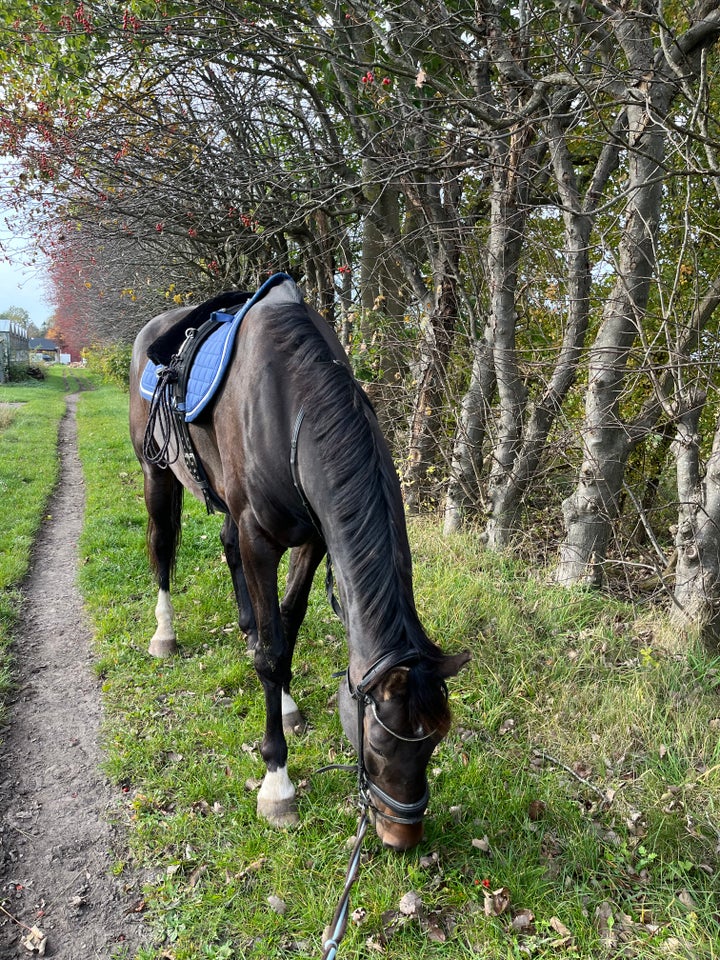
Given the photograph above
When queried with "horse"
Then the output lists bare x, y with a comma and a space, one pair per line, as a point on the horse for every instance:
291, 447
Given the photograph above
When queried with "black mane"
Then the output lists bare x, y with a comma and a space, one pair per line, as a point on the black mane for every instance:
367, 508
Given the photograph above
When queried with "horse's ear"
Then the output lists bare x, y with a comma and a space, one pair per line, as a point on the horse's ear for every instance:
451, 664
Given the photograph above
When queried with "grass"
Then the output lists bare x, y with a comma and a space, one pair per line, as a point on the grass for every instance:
574, 806
29, 416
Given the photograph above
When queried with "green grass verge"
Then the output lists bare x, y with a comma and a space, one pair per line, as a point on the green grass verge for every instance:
29, 416
574, 806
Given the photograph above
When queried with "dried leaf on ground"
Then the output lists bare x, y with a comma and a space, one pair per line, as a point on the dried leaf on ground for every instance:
433, 930
411, 904
566, 937
686, 899
605, 920
536, 810
523, 921
482, 844
35, 941
497, 901
277, 905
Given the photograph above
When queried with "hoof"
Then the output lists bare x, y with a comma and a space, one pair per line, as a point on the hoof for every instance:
163, 647
278, 813
294, 722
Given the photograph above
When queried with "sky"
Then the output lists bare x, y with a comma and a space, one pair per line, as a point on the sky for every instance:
21, 286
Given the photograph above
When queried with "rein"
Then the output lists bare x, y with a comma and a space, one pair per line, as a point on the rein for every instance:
402, 812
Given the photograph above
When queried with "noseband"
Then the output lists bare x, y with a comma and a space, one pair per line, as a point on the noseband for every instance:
406, 813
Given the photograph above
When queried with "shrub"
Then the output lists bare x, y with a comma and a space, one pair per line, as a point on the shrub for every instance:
111, 362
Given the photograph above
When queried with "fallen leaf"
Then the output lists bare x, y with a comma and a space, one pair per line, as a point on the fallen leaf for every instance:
496, 902
523, 921
536, 810
483, 845
605, 923
434, 932
195, 876
277, 904
566, 938
35, 941
429, 860
410, 904
686, 900
583, 770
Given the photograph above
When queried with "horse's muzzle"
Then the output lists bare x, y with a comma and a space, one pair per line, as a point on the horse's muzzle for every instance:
396, 836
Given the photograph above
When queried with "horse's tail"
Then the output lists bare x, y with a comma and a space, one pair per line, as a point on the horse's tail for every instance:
164, 500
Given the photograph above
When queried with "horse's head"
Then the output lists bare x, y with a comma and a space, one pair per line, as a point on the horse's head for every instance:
394, 716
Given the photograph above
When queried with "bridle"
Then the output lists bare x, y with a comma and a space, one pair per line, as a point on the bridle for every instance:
405, 813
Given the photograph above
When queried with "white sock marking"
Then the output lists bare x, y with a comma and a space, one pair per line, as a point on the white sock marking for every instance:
288, 705
277, 786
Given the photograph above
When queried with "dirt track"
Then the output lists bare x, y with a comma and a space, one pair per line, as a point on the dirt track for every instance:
57, 840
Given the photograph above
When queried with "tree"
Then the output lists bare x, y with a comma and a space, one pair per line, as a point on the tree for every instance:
652, 82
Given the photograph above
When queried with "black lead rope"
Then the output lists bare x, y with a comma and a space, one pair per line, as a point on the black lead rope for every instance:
338, 925
162, 417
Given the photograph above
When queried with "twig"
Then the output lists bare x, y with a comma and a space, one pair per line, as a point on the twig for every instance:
28, 836
15, 919
564, 766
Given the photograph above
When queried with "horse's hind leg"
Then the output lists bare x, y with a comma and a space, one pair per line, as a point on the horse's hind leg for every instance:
163, 500
246, 617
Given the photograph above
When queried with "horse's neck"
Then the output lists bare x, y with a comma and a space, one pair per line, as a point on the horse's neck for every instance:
367, 634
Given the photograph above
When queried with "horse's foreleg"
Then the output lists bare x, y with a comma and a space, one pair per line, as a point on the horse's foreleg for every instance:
260, 558
304, 562
163, 499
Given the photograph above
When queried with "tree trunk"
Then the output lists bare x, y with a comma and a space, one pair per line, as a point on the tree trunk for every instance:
697, 577
591, 509
466, 467
426, 425
510, 487
507, 231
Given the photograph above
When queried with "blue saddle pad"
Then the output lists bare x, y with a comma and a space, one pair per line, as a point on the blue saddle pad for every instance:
211, 360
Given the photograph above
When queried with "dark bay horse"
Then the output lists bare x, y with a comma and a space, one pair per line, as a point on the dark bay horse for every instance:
292, 447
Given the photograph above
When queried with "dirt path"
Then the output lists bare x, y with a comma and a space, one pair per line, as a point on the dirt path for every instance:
56, 808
